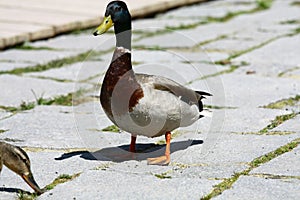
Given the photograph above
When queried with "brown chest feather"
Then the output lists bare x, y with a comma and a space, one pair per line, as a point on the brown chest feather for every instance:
120, 91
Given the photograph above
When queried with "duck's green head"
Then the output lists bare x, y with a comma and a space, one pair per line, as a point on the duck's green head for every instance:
116, 15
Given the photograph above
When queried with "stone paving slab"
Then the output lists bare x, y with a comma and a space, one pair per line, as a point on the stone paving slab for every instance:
151, 25
23, 89
268, 61
106, 189
230, 148
249, 90
245, 119
7, 66
229, 120
201, 55
42, 120
174, 72
261, 188
80, 42
34, 57
291, 125
4, 114
210, 9
76, 72
186, 38
293, 73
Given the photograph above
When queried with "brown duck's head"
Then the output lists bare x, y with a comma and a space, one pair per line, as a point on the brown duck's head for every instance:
17, 160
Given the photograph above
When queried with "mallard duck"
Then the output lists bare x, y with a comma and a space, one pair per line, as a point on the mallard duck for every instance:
142, 104
17, 160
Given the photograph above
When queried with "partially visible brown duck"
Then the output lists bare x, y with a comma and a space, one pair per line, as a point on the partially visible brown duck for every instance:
17, 160
143, 104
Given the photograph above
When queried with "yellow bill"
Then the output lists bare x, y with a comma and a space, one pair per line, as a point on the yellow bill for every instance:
104, 26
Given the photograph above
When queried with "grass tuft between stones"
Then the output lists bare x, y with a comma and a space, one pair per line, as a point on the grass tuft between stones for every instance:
22, 195
62, 100
23, 106
61, 179
163, 175
295, 3
29, 47
283, 103
275, 176
2, 131
264, 4
277, 121
56, 63
111, 128
266, 133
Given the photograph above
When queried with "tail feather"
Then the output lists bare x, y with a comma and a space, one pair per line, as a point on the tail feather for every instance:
202, 95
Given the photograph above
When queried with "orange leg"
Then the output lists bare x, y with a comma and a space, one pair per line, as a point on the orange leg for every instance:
162, 160
132, 144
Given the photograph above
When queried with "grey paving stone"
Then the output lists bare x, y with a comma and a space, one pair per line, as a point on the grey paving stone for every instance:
260, 188
43, 126
290, 125
271, 25
248, 90
239, 121
245, 120
82, 42
268, 60
294, 73
210, 9
4, 114
158, 56
76, 72
230, 46
179, 72
145, 56
286, 164
187, 38
201, 55
152, 25
205, 171
7, 66
36, 56
145, 187
7, 195
19, 89
225, 149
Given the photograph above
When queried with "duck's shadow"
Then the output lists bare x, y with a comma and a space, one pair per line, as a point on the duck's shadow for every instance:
121, 153
14, 190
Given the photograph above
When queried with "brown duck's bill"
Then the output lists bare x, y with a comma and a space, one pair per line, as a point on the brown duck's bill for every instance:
104, 26
31, 182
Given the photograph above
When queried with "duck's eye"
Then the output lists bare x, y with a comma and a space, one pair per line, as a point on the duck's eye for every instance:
118, 8
106, 21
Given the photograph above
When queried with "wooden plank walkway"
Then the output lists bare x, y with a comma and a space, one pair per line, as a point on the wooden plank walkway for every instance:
29, 20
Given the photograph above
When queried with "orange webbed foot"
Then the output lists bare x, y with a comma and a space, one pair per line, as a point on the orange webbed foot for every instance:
162, 160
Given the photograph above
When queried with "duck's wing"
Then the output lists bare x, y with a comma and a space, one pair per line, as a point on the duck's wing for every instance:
164, 84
